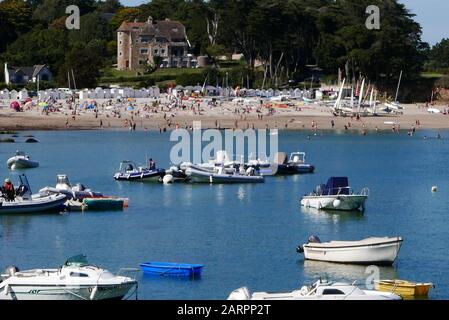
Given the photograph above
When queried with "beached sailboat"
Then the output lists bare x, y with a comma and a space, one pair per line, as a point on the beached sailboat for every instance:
26, 202
335, 195
21, 161
75, 280
377, 251
320, 290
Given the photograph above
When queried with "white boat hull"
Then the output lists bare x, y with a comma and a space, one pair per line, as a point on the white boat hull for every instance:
198, 176
62, 292
35, 205
21, 163
379, 254
338, 202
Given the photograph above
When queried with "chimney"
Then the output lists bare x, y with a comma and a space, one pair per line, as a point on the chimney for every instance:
150, 20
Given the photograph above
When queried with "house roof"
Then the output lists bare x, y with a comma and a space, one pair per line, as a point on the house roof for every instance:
31, 72
168, 29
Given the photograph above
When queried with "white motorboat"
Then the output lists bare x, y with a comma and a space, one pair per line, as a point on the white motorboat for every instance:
63, 186
26, 202
336, 195
375, 251
320, 290
75, 280
221, 176
21, 161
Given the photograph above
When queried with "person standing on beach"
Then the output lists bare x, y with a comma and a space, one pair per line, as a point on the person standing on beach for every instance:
332, 124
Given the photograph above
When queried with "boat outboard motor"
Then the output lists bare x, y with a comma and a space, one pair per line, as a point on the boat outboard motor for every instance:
11, 271
300, 249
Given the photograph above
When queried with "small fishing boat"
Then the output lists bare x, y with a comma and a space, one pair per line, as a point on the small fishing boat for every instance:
376, 251
172, 269
220, 177
21, 161
336, 195
63, 186
296, 164
26, 202
129, 171
105, 203
75, 280
320, 290
404, 288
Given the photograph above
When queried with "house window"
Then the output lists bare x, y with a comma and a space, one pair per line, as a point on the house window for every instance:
155, 51
120, 54
144, 39
120, 42
143, 51
162, 51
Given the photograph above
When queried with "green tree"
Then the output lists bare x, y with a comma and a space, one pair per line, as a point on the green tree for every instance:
85, 63
124, 14
439, 55
15, 16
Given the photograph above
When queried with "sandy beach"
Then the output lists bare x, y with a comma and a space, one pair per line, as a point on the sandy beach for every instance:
147, 115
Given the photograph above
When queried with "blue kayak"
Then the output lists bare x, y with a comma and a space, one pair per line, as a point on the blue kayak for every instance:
172, 269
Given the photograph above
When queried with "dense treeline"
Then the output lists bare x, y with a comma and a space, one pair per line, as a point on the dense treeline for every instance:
282, 35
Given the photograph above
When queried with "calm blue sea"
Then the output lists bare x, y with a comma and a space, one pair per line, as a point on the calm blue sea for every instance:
245, 235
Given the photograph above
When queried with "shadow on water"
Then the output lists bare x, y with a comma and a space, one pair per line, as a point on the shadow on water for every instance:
344, 272
332, 215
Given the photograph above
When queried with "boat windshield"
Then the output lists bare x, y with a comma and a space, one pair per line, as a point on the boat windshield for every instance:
62, 179
20, 153
77, 261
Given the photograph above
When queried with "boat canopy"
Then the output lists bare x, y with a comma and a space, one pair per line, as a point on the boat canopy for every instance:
336, 186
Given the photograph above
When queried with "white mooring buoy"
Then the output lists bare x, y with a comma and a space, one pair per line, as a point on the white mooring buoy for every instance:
434, 189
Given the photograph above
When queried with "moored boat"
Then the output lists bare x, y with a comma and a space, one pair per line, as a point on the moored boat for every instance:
296, 164
21, 161
220, 177
129, 171
172, 269
404, 288
63, 186
75, 280
320, 290
26, 202
105, 203
336, 195
376, 251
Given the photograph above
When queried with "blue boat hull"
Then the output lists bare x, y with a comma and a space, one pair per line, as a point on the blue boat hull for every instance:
177, 270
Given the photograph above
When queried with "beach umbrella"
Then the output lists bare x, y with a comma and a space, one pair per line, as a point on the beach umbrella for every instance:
130, 108
14, 105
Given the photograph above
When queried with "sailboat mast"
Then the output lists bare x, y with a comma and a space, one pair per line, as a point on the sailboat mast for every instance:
397, 90
361, 95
